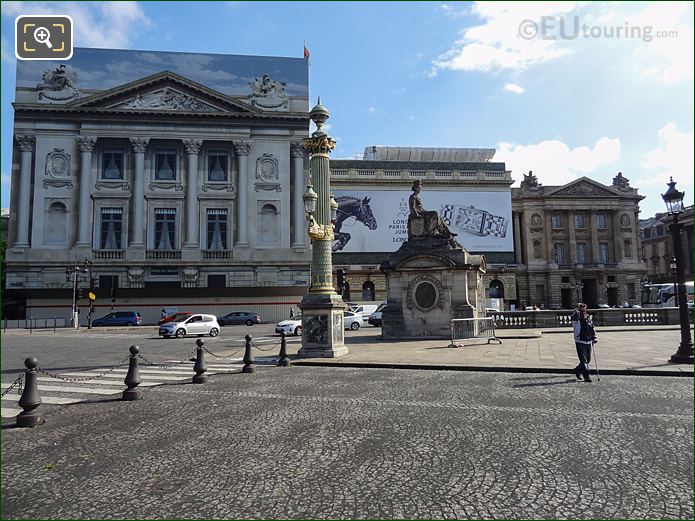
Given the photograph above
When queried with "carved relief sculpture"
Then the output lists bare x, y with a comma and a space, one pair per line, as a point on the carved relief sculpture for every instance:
267, 171
190, 277
59, 86
167, 99
57, 169
268, 94
136, 277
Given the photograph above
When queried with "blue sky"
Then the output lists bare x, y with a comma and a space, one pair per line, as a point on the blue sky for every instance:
448, 74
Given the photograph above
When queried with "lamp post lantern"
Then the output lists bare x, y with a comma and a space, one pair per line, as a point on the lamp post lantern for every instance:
322, 308
674, 206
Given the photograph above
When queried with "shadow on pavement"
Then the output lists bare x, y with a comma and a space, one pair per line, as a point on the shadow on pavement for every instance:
544, 384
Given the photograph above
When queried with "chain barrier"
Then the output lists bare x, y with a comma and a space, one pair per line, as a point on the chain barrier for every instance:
220, 357
19, 382
86, 378
271, 348
167, 366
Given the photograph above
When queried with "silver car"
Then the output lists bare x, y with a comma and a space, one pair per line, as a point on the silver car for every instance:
197, 324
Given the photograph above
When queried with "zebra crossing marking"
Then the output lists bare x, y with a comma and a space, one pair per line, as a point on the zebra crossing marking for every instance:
9, 412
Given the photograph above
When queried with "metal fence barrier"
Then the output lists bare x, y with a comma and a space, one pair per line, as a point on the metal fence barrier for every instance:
463, 329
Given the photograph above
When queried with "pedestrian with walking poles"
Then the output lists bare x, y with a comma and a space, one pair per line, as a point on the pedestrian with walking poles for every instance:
584, 338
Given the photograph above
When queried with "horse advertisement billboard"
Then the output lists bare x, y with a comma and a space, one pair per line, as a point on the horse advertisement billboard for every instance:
377, 220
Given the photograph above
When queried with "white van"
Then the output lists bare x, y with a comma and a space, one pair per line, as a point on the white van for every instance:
364, 309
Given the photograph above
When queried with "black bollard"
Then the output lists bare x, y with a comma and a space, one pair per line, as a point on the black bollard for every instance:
200, 367
248, 357
132, 379
30, 398
283, 361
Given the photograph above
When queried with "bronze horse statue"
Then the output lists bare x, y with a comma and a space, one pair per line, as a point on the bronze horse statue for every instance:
351, 207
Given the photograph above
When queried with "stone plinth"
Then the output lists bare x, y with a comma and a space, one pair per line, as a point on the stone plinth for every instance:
426, 288
322, 326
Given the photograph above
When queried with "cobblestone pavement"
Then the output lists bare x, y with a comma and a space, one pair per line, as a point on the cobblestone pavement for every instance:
342, 443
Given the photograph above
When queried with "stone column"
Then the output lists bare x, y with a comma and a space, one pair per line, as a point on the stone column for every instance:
242, 149
192, 147
297, 153
139, 145
528, 246
549, 239
572, 237
517, 239
595, 257
618, 238
26, 144
86, 146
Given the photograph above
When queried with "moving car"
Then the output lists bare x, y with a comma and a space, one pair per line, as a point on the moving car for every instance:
375, 318
119, 318
239, 317
176, 317
197, 324
293, 326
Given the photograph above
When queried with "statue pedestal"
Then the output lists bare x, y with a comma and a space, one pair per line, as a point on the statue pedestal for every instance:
322, 326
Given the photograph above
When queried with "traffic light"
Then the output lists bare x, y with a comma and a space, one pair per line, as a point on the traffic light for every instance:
340, 280
79, 293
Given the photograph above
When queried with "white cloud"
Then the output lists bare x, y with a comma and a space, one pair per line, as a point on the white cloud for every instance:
554, 162
672, 158
513, 87
498, 42
371, 110
95, 24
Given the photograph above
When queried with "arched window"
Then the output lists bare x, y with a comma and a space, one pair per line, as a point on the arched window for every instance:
368, 291
268, 226
627, 248
56, 225
496, 289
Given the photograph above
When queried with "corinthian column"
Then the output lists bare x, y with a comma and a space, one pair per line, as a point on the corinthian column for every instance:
26, 146
139, 145
297, 153
86, 146
192, 149
242, 149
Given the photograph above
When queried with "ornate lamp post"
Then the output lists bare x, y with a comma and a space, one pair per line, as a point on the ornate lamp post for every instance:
674, 206
322, 308
578, 285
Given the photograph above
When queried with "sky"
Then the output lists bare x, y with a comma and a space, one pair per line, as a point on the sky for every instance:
566, 89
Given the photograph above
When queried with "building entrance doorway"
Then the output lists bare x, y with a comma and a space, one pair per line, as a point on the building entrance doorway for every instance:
566, 295
612, 296
590, 293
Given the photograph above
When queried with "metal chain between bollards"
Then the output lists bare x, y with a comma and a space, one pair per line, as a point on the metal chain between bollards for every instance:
220, 357
86, 378
271, 348
18, 382
166, 366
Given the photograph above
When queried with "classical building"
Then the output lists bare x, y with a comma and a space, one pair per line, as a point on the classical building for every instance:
180, 175
657, 245
578, 241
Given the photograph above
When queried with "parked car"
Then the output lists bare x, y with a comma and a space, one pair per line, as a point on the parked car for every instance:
197, 324
365, 310
239, 317
375, 318
119, 318
176, 317
293, 326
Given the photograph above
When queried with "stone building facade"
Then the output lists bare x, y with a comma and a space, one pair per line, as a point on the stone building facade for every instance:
177, 171
657, 245
578, 241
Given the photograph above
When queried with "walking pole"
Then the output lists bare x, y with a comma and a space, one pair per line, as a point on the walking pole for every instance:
593, 348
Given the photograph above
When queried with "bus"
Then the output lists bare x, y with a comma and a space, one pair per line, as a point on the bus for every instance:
662, 296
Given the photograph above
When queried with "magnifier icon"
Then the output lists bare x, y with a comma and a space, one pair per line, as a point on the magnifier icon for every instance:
42, 35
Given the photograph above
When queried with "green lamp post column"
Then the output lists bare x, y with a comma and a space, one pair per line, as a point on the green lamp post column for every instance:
322, 308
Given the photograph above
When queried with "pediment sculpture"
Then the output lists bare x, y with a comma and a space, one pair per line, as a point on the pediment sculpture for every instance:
620, 182
58, 86
530, 182
167, 99
268, 94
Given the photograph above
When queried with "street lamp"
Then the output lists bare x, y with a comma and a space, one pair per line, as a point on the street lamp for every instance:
674, 206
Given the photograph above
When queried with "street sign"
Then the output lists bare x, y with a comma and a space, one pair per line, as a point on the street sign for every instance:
92, 296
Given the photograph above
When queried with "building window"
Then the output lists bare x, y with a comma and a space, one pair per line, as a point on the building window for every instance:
603, 252
611, 278
660, 229
368, 291
496, 289
165, 228
631, 291
627, 248
268, 229
647, 233
559, 252
112, 163
565, 280
165, 164
56, 225
111, 228
556, 221
655, 250
581, 253
217, 165
217, 281
578, 220
601, 221
540, 292
217, 229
